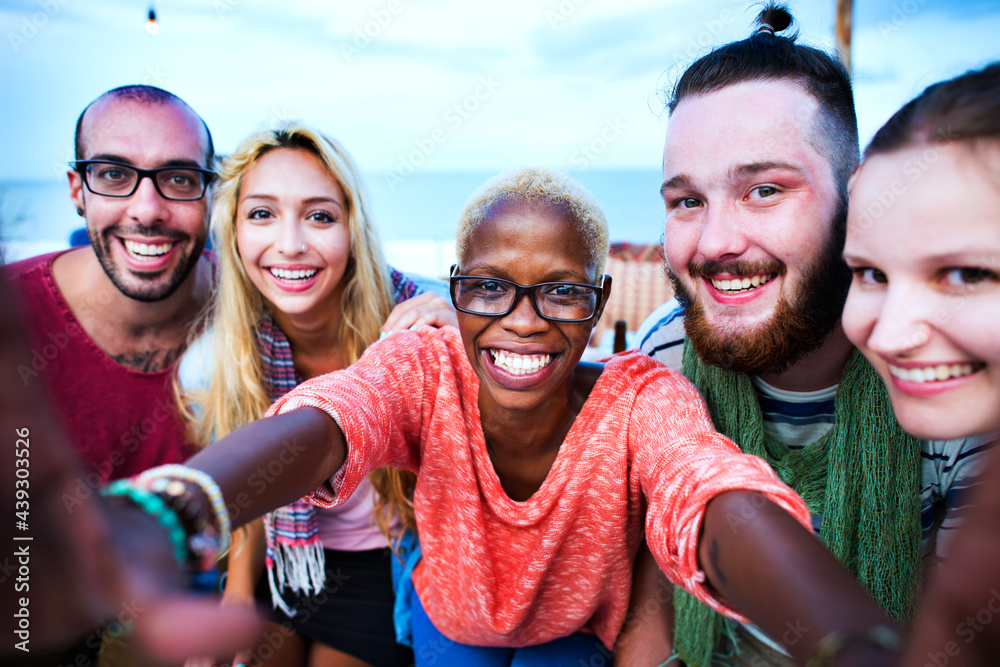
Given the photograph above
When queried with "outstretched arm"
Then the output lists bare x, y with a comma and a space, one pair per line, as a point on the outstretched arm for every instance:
777, 573
273, 461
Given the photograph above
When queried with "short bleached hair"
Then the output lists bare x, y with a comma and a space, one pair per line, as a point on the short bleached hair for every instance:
538, 189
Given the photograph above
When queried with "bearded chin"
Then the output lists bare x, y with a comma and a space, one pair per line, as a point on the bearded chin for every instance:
800, 324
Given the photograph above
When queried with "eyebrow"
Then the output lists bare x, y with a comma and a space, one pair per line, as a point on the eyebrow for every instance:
179, 162
554, 277
308, 200
753, 168
678, 181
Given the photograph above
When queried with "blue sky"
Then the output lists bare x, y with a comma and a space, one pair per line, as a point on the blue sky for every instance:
437, 85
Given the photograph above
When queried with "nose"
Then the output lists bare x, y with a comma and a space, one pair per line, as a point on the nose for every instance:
523, 320
146, 205
291, 239
722, 234
903, 323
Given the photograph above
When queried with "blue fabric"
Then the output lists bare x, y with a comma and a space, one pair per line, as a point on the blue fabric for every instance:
431, 648
408, 554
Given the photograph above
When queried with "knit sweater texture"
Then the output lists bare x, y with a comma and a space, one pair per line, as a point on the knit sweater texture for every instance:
498, 572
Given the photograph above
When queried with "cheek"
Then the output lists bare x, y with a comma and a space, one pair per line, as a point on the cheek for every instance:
972, 323
680, 243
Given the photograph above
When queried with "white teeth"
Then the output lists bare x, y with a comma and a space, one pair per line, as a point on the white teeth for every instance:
738, 285
520, 364
146, 251
301, 274
936, 373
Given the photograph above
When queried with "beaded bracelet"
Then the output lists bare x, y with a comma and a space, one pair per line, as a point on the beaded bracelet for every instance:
835, 643
153, 505
175, 471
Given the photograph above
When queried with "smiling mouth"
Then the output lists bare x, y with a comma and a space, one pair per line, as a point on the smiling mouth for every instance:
741, 285
146, 251
938, 373
299, 274
519, 364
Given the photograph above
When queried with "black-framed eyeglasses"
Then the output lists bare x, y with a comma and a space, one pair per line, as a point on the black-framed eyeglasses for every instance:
495, 297
115, 179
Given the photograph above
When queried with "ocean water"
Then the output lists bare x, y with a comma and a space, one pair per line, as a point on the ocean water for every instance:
416, 216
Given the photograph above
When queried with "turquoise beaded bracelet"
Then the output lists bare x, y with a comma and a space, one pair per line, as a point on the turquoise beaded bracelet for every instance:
153, 505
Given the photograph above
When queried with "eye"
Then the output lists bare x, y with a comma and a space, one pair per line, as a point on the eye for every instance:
111, 174
763, 192
686, 203
322, 217
867, 275
259, 214
565, 290
488, 286
967, 276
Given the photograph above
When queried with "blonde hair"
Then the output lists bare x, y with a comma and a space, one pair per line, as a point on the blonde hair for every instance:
538, 188
236, 395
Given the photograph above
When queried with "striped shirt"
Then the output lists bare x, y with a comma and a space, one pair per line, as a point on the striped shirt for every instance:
949, 468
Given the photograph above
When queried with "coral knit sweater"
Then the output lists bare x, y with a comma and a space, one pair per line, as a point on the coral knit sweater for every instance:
497, 572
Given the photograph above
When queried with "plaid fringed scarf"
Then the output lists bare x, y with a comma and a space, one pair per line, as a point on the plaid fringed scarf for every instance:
295, 556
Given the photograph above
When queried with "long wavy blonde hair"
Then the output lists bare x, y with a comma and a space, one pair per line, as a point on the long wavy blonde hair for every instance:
236, 394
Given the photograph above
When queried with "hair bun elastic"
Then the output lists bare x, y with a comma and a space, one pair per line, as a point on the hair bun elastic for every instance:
765, 28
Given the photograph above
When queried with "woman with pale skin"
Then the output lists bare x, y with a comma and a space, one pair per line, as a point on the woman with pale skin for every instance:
302, 271
923, 242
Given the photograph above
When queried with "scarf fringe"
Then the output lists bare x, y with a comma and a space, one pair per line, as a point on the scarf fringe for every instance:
300, 568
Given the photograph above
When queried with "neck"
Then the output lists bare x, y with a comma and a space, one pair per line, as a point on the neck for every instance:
819, 369
92, 295
315, 340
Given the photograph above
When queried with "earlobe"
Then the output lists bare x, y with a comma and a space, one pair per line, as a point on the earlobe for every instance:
76, 191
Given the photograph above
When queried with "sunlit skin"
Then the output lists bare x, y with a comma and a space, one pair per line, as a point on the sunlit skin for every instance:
745, 181
923, 242
292, 221
526, 417
146, 136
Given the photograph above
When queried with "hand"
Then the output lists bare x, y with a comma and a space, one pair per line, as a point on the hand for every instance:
428, 308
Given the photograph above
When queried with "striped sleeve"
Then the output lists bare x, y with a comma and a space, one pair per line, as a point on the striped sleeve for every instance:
661, 335
950, 469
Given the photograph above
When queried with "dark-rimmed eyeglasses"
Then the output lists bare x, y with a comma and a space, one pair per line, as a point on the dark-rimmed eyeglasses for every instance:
495, 297
115, 179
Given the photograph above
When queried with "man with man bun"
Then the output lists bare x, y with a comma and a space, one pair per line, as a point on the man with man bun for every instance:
761, 143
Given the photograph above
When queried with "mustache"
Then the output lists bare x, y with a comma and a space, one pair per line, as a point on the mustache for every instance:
145, 230
739, 268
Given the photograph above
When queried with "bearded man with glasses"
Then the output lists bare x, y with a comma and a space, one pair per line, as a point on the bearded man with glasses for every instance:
108, 321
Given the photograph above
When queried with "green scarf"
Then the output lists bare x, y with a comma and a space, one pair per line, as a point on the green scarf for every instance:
863, 477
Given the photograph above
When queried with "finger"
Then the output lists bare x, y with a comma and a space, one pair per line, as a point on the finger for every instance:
402, 316
173, 629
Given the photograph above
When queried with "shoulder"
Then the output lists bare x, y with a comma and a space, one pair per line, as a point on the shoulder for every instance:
661, 335
635, 374
32, 268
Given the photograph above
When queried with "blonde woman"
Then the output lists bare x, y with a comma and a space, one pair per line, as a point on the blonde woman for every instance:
303, 290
